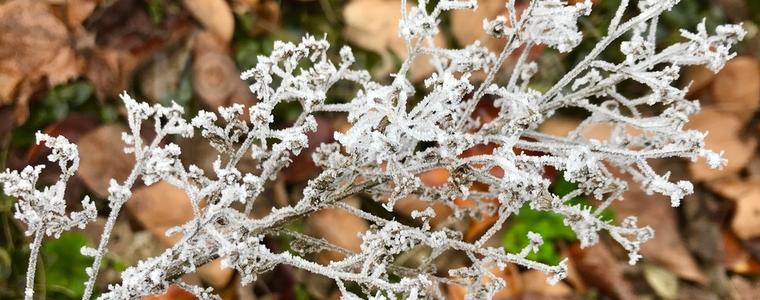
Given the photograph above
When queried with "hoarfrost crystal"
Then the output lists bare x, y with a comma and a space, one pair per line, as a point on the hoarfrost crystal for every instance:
380, 154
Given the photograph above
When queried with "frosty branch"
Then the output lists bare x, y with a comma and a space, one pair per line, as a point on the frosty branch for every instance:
379, 155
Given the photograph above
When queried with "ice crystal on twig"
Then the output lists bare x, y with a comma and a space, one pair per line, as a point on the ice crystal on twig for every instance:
380, 155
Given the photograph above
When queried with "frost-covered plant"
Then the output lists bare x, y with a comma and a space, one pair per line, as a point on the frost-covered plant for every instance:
379, 155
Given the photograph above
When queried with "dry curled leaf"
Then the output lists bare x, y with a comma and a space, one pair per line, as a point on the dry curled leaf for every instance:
162, 76
33, 47
79, 10
172, 293
216, 79
667, 248
103, 158
599, 268
302, 167
742, 289
338, 227
467, 25
663, 282
698, 79
534, 282
373, 24
736, 88
735, 257
215, 15
724, 134
510, 274
110, 71
161, 206
746, 220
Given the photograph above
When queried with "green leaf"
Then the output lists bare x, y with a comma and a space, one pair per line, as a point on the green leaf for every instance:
65, 265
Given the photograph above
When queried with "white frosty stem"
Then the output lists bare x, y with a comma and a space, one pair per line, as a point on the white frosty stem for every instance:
398, 133
31, 269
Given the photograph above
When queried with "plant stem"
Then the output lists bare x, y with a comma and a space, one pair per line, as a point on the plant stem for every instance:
32, 267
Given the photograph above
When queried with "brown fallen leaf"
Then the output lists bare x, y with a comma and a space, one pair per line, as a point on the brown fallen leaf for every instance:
742, 289
407, 205
667, 248
338, 227
73, 127
663, 282
110, 71
735, 257
79, 10
172, 293
103, 158
215, 15
559, 126
125, 37
699, 79
302, 166
534, 282
467, 25
724, 134
736, 89
161, 206
162, 76
373, 24
33, 47
599, 268
746, 220
732, 187
216, 79
510, 274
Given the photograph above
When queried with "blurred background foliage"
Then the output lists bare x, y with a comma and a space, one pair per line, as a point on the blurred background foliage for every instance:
64, 62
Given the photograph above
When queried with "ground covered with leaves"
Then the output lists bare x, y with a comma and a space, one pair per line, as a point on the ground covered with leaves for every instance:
63, 64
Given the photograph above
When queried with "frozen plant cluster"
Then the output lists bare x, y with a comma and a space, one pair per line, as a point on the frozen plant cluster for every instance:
380, 155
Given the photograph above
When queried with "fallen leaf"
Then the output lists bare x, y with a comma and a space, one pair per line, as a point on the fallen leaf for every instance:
73, 127
467, 25
663, 282
161, 206
509, 274
373, 24
33, 46
732, 187
405, 206
667, 248
699, 79
338, 227
741, 289
162, 76
261, 16
535, 282
216, 79
302, 167
559, 126
600, 269
746, 220
736, 88
215, 15
78, 10
174, 292
110, 71
125, 37
102, 158
735, 257
724, 134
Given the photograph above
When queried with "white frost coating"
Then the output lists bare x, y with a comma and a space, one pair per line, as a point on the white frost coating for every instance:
379, 154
